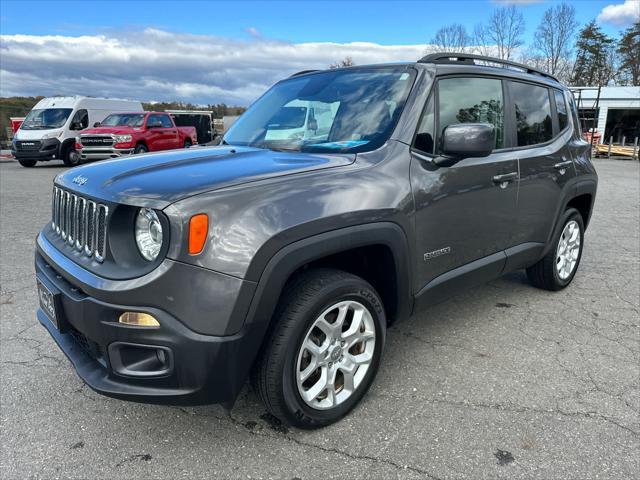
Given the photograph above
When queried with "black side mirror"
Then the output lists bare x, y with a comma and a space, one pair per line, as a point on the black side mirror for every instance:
97, 124
76, 126
466, 140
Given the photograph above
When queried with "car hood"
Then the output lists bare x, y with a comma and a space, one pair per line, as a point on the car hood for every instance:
158, 179
110, 130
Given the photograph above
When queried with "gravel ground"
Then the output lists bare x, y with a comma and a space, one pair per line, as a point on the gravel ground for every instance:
503, 381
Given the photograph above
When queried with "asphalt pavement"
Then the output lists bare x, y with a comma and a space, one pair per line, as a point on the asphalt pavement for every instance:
503, 381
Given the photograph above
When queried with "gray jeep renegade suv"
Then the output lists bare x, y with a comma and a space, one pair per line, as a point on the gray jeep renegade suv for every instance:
340, 202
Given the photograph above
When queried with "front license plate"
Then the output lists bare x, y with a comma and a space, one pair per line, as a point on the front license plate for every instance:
48, 303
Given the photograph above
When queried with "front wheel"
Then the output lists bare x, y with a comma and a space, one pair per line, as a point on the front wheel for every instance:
27, 163
70, 157
557, 269
140, 148
324, 351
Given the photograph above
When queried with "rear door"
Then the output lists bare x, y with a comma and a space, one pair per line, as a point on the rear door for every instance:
543, 138
464, 212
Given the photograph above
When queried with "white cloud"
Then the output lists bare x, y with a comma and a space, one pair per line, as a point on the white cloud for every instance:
159, 65
621, 14
253, 31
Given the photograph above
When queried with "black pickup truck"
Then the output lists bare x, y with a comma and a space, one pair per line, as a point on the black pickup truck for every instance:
340, 202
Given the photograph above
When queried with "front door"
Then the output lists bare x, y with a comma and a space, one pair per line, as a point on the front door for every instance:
465, 212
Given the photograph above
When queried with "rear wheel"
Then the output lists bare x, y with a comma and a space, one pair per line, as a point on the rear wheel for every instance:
557, 269
141, 148
27, 163
324, 351
187, 143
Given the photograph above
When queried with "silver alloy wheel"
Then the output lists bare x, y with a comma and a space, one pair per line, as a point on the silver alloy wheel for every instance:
335, 355
568, 250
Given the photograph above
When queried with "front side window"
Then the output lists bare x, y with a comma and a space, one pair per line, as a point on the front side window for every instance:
561, 107
124, 120
425, 138
46, 118
351, 110
154, 121
533, 113
471, 100
166, 121
80, 120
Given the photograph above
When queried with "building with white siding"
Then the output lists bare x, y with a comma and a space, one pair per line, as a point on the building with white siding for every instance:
617, 112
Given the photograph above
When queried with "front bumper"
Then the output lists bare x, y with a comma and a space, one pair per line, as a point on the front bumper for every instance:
48, 149
201, 369
102, 153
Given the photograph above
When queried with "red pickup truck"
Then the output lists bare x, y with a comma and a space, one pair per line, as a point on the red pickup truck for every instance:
127, 133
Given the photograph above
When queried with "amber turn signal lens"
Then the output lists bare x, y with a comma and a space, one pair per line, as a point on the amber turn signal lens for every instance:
198, 229
138, 319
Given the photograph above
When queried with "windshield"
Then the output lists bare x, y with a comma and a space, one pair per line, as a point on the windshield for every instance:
44, 119
353, 110
123, 120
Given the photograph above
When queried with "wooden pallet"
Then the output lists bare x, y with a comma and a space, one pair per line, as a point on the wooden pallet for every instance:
617, 150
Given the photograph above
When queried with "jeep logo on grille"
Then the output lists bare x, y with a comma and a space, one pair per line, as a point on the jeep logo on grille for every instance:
80, 180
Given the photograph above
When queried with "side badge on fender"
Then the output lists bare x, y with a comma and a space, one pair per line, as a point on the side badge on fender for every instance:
437, 253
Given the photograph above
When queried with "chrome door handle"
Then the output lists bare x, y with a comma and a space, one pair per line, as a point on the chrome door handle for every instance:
505, 177
561, 165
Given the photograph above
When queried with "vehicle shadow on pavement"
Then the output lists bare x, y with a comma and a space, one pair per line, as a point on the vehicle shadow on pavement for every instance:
438, 325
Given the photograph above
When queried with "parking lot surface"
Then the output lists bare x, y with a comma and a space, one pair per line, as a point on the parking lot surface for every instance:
503, 381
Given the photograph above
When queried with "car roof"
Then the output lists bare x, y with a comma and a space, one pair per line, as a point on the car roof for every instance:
458, 63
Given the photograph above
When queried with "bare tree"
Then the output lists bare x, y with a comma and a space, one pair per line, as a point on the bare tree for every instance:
452, 38
481, 41
553, 38
503, 32
345, 62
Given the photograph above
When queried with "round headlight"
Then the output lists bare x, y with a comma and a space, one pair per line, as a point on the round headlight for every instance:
148, 233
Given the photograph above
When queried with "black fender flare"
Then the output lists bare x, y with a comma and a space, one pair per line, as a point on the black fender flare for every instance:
577, 187
288, 259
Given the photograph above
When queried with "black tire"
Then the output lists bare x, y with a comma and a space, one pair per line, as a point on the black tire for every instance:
187, 143
70, 157
140, 148
27, 163
544, 274
304, 299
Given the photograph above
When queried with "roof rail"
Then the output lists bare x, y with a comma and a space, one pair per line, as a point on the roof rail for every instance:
302, 72
469, 58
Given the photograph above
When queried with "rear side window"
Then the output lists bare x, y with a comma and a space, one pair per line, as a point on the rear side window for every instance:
561, 107
471, 100
533, 113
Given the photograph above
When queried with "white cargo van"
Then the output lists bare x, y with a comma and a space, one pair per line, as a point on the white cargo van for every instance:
48, 132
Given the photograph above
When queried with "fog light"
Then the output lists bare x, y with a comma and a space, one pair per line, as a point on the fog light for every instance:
138, 319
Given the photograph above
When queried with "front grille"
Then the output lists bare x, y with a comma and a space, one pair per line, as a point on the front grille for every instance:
28, 145
96, 141
80, 222
90, 347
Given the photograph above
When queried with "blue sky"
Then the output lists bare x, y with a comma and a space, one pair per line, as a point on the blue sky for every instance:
231, 52
384, 22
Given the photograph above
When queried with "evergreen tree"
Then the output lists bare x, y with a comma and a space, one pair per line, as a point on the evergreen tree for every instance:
595, 57
629, 55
